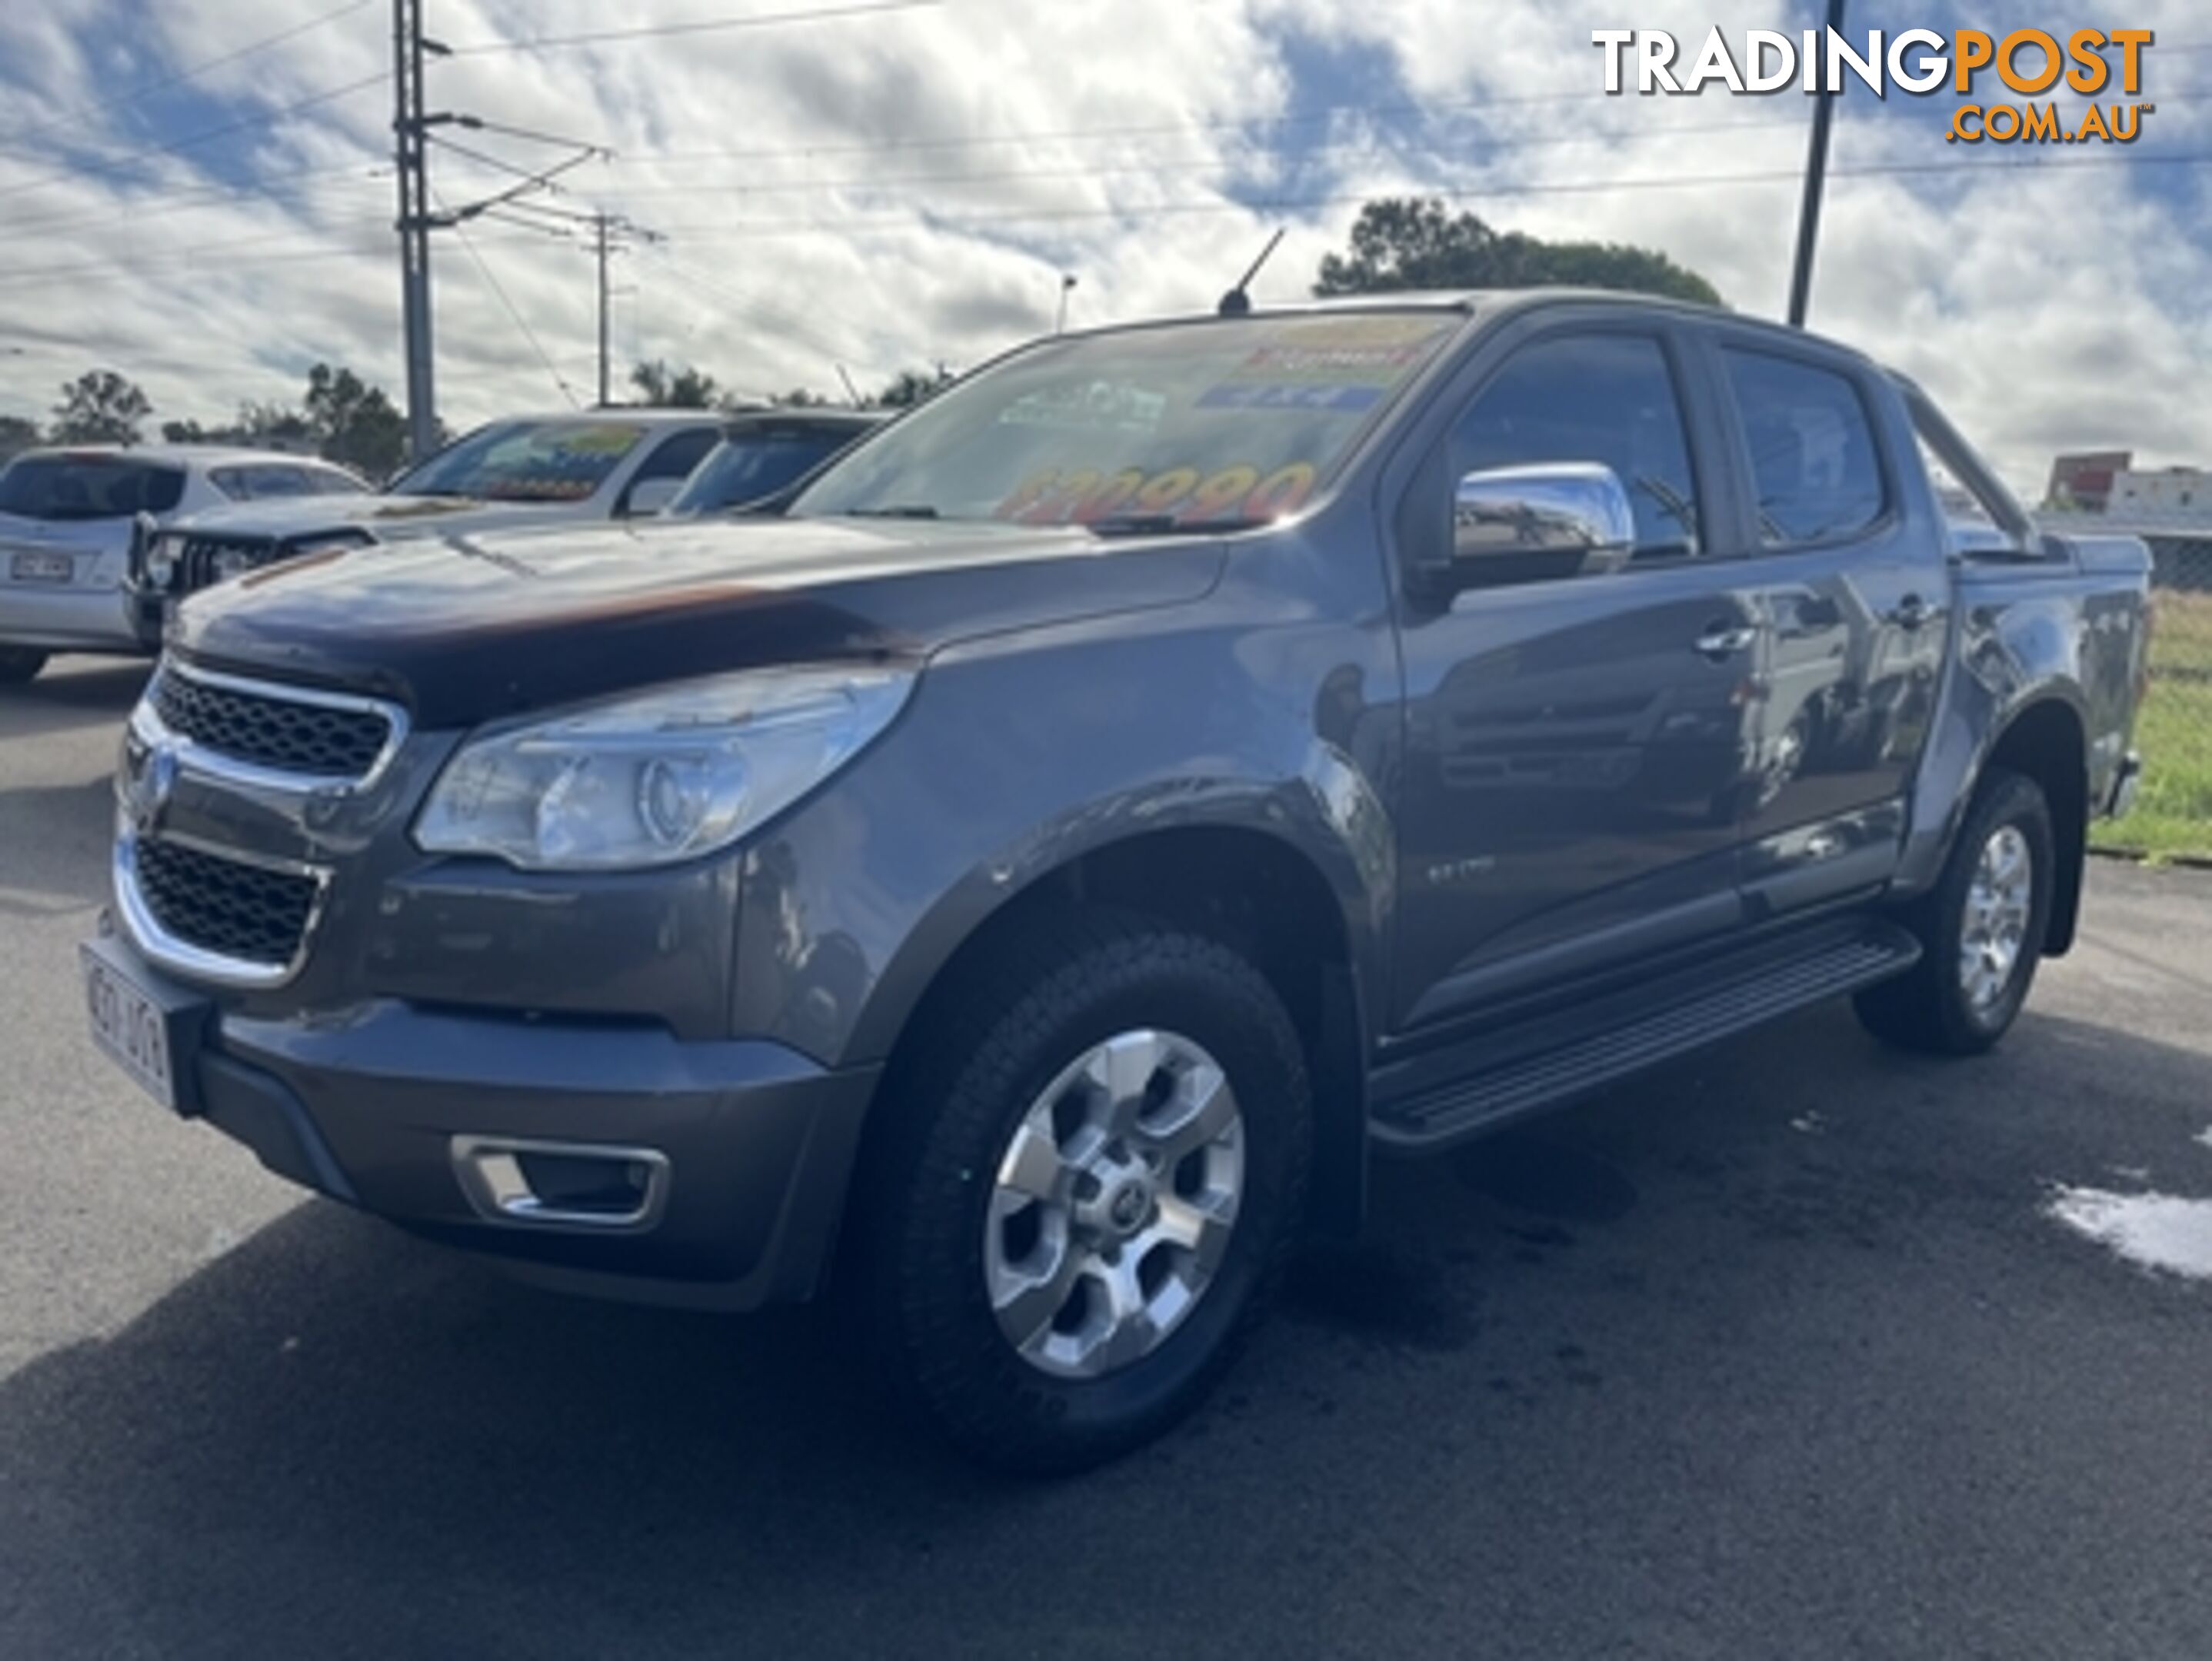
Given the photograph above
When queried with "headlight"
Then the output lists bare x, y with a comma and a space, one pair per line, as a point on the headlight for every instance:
652, 780
162, 560
228, 562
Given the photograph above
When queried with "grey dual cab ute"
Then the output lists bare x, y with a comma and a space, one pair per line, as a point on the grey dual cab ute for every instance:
1024, 883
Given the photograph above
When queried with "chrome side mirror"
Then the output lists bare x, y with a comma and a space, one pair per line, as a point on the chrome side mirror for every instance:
1554, 519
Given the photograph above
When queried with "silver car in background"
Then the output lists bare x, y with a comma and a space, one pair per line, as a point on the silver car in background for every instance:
523, 473
66, 522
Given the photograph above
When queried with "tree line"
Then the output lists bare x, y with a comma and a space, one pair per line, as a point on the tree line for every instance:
686, 386
339, 417
1398, 243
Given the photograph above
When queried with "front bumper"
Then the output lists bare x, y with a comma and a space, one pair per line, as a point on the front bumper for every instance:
145, 613
750, 1145
66, 619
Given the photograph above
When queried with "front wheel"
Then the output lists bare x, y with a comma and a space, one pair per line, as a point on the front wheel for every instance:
1078, 1213
1981, 929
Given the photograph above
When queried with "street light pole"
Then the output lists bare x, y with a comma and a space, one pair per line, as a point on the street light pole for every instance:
1066, 283
1816, 174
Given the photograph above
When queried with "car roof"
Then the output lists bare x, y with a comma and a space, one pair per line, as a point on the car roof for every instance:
1494, 303
808, 414
184, 455
644, 415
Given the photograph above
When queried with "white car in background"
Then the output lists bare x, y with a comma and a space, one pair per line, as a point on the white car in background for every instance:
67, 517
530, 471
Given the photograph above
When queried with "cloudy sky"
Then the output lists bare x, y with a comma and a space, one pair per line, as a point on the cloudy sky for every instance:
208, 209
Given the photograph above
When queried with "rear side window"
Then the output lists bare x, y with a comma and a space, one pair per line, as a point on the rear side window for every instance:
257, 481
88, 488
329, 481
1813, 462
748, 466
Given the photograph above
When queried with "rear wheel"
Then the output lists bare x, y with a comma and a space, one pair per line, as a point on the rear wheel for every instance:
1981, 929
19, 665
1076, 1218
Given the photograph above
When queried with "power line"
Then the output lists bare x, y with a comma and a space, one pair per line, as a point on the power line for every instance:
753, 308
492, 282
124, 261
530, 135
498, 164
200, 198
218, 195
710, 232
1317, 114
110, 270
70, 118
122, 163
721, 230
707, 26
1362, 152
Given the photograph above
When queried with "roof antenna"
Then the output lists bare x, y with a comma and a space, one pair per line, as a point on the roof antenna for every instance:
1237, 303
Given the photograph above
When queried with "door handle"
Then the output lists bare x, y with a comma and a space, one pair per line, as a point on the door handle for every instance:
1912, 612
1724, 640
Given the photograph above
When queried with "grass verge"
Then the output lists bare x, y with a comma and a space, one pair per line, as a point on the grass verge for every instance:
2172, 815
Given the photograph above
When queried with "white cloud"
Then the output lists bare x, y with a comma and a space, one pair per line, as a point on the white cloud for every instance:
824, 200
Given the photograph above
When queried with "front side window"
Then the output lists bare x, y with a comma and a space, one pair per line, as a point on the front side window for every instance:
1608, 398
525, 461
1813, 464
1199, 425
677, 456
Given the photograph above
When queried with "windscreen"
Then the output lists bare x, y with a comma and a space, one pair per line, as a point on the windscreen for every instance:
88, 488
525, 461
1236, 420
747, 466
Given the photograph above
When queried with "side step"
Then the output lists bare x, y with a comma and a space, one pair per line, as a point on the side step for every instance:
1561, 1056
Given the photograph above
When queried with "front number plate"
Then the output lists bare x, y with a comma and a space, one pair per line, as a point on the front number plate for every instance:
131, 1025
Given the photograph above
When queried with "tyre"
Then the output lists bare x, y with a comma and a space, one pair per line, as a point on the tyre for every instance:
1981, 929
1086, 1192
20, 664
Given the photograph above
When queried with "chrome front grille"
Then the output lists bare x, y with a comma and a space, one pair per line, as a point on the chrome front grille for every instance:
268, 734
252, 915
196, 562
221, 782
272, 728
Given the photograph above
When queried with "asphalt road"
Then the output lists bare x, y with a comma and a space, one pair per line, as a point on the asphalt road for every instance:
1778, 1353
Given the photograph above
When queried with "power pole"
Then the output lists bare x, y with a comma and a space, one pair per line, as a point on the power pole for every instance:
411, 144
608, 234
412, 126
1816, 174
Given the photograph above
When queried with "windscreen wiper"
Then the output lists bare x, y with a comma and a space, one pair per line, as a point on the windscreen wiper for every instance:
1166, 524
898, 511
